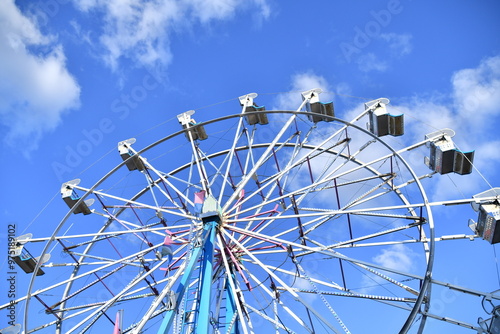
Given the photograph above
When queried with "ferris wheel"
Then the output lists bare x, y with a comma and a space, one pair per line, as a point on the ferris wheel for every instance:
260, 221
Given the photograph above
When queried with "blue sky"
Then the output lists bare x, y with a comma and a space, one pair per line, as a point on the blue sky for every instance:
77, 77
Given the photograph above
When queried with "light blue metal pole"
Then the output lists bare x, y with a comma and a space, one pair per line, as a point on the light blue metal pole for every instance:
184, 283
231, 306
211, 217
203, 322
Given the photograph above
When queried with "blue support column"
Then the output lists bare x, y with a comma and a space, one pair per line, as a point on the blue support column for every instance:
181, 289
231, 306
207, 250
206, 279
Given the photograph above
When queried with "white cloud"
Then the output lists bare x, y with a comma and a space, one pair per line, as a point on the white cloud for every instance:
343, 89
398, 257
425, 115
206, 11
36, 89
476, 91
393, 46
302, 82
370, 62
399, 44
302, 283
141, 31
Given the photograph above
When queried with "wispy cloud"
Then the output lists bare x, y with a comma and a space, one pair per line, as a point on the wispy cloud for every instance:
302, 82
141, 31
397, 257
36, 88
392, 46
206, 11
399, 44
476, 92
370, 62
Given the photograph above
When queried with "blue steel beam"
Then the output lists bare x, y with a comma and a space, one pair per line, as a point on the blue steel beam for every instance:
206, 278
209, 230
231, 305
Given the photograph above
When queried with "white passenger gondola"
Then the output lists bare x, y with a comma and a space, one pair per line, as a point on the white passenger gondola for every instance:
445, 157
316, 107
381, 122
70, 197
197, 131
488, 221
23, 258
247, 102
132, 159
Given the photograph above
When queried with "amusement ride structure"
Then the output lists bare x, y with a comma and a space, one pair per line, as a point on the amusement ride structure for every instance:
261, 221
